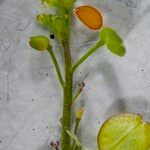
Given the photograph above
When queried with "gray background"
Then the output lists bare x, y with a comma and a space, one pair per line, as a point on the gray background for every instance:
30, 97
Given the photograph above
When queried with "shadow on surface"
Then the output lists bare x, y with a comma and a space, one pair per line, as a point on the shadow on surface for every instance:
122, 104
45, 147
1, 1
138, 105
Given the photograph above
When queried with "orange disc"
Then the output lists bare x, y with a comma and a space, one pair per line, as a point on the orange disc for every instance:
90, 16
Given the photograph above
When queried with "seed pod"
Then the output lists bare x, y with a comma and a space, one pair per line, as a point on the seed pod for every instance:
90, 16
39, 43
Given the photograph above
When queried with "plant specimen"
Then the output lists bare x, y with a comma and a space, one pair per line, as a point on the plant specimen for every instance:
59, 23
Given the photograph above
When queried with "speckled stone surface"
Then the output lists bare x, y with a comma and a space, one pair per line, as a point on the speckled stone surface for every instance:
30, 97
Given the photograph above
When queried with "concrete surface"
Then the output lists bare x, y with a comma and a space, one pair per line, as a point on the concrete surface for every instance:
30, 97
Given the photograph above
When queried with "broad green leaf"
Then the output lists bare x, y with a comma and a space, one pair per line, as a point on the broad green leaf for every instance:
39, 43
112, 40
74, 137
124, 132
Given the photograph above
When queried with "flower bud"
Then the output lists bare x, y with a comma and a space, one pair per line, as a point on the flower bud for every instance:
39, 43
79, 113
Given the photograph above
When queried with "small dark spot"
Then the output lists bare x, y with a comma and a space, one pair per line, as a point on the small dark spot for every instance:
0, 98
99, 122
46, 127
55, 144
46, 74
142, 69
32, 100
33, 129
52, 36
0, 141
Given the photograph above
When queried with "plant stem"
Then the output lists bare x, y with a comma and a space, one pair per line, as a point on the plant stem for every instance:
75, 132
49, 49
67, 95
85, 56
77, 94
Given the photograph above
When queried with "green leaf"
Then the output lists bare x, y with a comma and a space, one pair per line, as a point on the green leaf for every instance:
47, 2
112, 40
49, 21
39, 43
124, 132
56, 3
52, 22
59, 23
62, 6
74, 137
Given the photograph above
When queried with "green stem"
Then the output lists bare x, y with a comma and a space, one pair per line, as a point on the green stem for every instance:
85, 56
49, 49
75, 132
76, 96
76, 127
67, 95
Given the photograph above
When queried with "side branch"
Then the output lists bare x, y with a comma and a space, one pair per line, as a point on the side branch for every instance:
49, 49
85, 56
